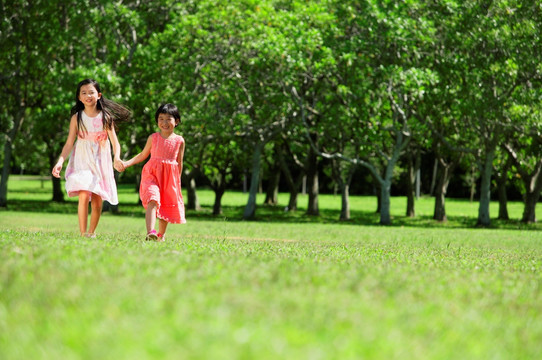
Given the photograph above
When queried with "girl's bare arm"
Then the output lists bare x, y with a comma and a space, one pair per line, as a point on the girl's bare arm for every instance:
114, 142
141, 156
116, 148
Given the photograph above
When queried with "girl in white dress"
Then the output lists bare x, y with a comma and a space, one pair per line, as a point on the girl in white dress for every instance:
89, 173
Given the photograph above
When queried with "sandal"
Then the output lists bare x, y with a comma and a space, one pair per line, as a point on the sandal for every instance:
152, 235
90, 235
161, 237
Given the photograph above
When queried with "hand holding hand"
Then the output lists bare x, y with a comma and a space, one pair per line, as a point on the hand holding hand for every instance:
119, 165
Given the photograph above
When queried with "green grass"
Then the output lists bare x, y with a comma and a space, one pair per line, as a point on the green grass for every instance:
34, 196
290, 287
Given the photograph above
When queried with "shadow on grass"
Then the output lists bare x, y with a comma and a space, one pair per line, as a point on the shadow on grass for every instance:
66, 207
276, 214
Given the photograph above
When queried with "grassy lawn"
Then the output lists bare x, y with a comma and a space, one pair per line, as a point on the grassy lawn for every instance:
289, 286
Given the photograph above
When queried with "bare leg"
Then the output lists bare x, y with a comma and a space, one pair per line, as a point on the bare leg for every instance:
96, 205
150, 216
162, 226
82, 211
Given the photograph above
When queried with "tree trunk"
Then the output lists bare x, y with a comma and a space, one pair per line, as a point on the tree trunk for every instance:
217, 206
385, 202
485, 189
272, 191
189, 178
250, 208
345, 201
378, 193
472, 184
219, 188
5, 174
415, 163
533, 186
439, 213
411, 197
501, 178
8, 148
192, 196
434, 177
385, 183
443, 175
292, 201
529, 211
441, 188
411, 189
503, 198
313, 188
344, 186
292, 185
58, 194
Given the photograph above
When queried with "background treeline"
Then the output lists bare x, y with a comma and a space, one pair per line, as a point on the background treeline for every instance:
341, 94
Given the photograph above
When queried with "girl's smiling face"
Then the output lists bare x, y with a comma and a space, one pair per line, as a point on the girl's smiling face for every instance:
89, 96
166, 123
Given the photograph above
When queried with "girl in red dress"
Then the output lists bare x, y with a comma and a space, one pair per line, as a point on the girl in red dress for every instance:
160, 188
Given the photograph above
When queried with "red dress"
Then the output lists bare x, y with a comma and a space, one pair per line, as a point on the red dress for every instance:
161, 181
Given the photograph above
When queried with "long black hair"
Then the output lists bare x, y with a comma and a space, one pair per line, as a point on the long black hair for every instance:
112, 112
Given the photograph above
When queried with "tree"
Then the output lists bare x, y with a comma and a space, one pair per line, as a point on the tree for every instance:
413, 160
290, 152
501, 172
28, 48
482, 47
385, 85
278, 53
525, 152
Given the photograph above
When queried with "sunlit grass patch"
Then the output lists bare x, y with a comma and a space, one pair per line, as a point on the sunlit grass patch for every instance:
285, 286
240, 290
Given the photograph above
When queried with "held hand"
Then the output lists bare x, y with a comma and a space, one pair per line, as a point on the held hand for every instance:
56, 170
119, 166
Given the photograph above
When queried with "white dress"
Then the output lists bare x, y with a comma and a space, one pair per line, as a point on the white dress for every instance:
90, 167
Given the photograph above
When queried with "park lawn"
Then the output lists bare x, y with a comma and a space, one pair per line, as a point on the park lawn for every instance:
284, 288
35, 196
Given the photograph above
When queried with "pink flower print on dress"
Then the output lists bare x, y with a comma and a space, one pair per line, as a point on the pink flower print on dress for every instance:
102, 135
97, 122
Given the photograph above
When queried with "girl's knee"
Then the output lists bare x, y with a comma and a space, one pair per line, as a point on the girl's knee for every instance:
83, 196
96, 201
